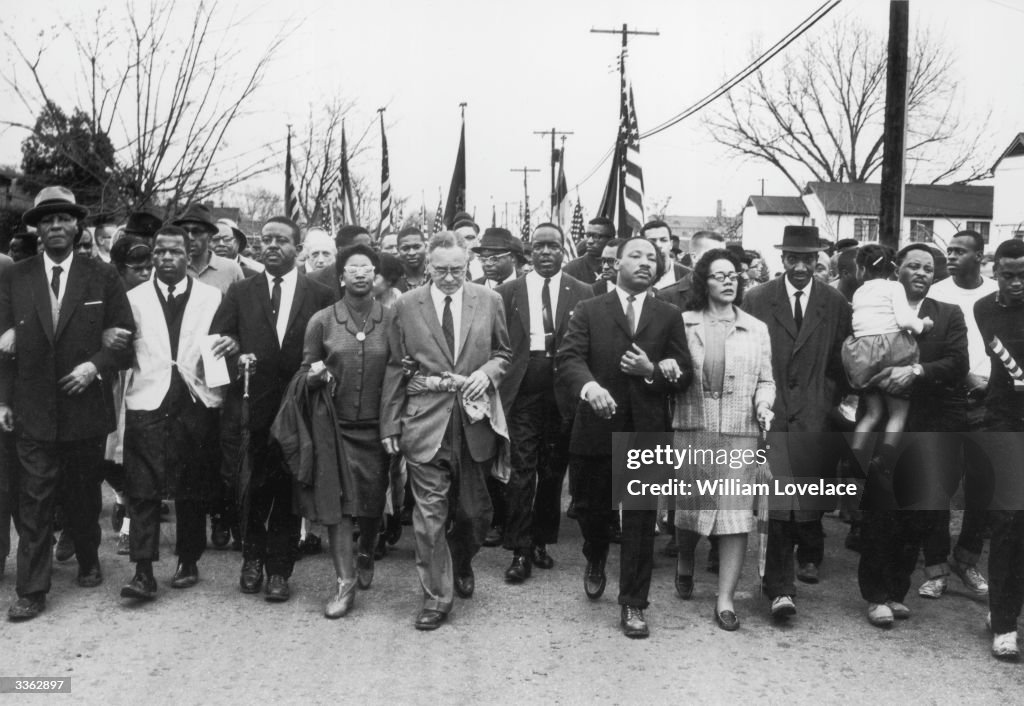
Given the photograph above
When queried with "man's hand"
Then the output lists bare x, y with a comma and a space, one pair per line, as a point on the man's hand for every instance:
6, 418
8, 342
601, 401
224, 346
879, 379
636, 362
899, 381
116, 339
976, 383
670, 369
390, 445
246, 360
476, 385
75, 382
764, 415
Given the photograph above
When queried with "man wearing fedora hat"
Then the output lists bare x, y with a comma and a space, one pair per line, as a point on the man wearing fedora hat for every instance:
807, 322
229, 242
56, 395
144, 223
206, 266
499, 252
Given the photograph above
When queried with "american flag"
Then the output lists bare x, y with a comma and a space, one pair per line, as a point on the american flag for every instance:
291, 204
524, 233
347, 203
576, 231
385, 182
631, 176
438, 219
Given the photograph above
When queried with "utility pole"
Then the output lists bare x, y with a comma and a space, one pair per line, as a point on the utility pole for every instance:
890, 216
526, 193
561, 155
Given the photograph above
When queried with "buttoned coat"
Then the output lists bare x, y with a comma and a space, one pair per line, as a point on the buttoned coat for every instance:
421, 420
748, 378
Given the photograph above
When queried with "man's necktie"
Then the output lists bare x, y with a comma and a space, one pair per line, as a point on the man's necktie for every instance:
549, 326
275, 297
448, 325
170, 294
631, 314
798, 311
55, 281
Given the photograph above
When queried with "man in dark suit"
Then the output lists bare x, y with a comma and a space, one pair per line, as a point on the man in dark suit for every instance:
264, 319
537, 309
56, 393
453, 332
587, 268
499, 254
608, 363
807, 322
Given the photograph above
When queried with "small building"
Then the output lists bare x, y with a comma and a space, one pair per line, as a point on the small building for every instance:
764, 218
1008, 201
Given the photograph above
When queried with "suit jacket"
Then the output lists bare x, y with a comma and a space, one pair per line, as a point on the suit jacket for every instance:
517, 318
244, 314
415, 331
937, 398
94, 300
593, 346
599, 287
580, 269
328, 277
151, 371
678, 293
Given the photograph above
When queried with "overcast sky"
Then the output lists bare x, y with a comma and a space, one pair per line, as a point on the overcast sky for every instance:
528, 65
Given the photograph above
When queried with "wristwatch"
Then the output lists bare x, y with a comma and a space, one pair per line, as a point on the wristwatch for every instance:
917, 370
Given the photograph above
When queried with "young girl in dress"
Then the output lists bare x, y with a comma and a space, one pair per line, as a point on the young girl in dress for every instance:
882, 322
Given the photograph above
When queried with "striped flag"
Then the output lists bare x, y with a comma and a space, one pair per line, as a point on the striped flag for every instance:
291, 204
348, 204
524, 233
576, 232
631, 176
385, 182
438, 219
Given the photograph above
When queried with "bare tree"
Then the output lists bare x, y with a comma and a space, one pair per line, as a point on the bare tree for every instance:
167, 96
819, 115
260, 204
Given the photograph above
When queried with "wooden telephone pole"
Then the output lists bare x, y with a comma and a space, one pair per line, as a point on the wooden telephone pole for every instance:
554, 186
890, 216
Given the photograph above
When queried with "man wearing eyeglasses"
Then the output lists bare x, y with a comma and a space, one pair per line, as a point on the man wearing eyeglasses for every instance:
587, 268
453, 330
206, 266
56, 394
499, 252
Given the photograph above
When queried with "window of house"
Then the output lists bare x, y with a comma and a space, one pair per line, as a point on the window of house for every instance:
865, 229
979, 227
921, 231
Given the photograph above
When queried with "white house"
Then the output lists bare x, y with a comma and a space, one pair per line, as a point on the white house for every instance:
1008, 202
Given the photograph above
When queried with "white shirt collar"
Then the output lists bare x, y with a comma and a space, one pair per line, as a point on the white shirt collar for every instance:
179, 287
791, 290
638, 299
534, 277
287, 280
438, 296
49, 263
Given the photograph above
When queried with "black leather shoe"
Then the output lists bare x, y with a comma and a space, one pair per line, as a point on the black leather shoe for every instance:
633, 623
186, 576
430, 619
541, 559
220, 534
277, 589
494, 537
364, 570
594, 579
808, 573
142, 587
465, 583
65, 546
727, 620
27, 607
90, 577
520, 569
252, 576
684, 586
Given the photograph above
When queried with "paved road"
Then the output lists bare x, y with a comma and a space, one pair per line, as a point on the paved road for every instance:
539, 642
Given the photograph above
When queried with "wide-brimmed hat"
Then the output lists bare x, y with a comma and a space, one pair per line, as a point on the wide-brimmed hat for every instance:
801, 239
243, 242
53, 199
145, 222
198, 213
501, 240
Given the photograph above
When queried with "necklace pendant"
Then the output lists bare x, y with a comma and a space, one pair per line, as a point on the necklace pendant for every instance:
360, 336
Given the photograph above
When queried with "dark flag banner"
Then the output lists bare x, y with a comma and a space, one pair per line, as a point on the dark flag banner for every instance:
348, 204
457, 190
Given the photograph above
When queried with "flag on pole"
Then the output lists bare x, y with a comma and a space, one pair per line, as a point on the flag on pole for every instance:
438, 219
348, 204
524, 233
457, 190
561, 190
576, 231
631, 176
291, 204
385, 182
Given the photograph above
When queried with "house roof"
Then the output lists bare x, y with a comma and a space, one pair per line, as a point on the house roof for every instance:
685, 225
1015, 149
777, 205
920, 200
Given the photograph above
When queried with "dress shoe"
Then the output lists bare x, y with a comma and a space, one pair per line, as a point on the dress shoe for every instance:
65, 546
594, 579
27, 607
494, 537
252, 576
341, 604
117, 514
684, 586
430, 619
220, 534
124, 547
364, 570
465, 583
540, 557
277, 589
880, 615
186, 576
808, 573
142, 586
899, 611
783, 607
90, 577
520, 569
633, 623
727, 620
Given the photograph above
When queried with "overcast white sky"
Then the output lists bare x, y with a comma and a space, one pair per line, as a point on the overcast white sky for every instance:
528, 65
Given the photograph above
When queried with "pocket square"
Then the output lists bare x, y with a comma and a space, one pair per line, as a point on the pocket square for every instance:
93, 303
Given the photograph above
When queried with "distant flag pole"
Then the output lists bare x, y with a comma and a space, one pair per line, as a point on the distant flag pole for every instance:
457, 190
348, 207
291, 204
385, 180
438, 218
576, 231
525, 230
561, 188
